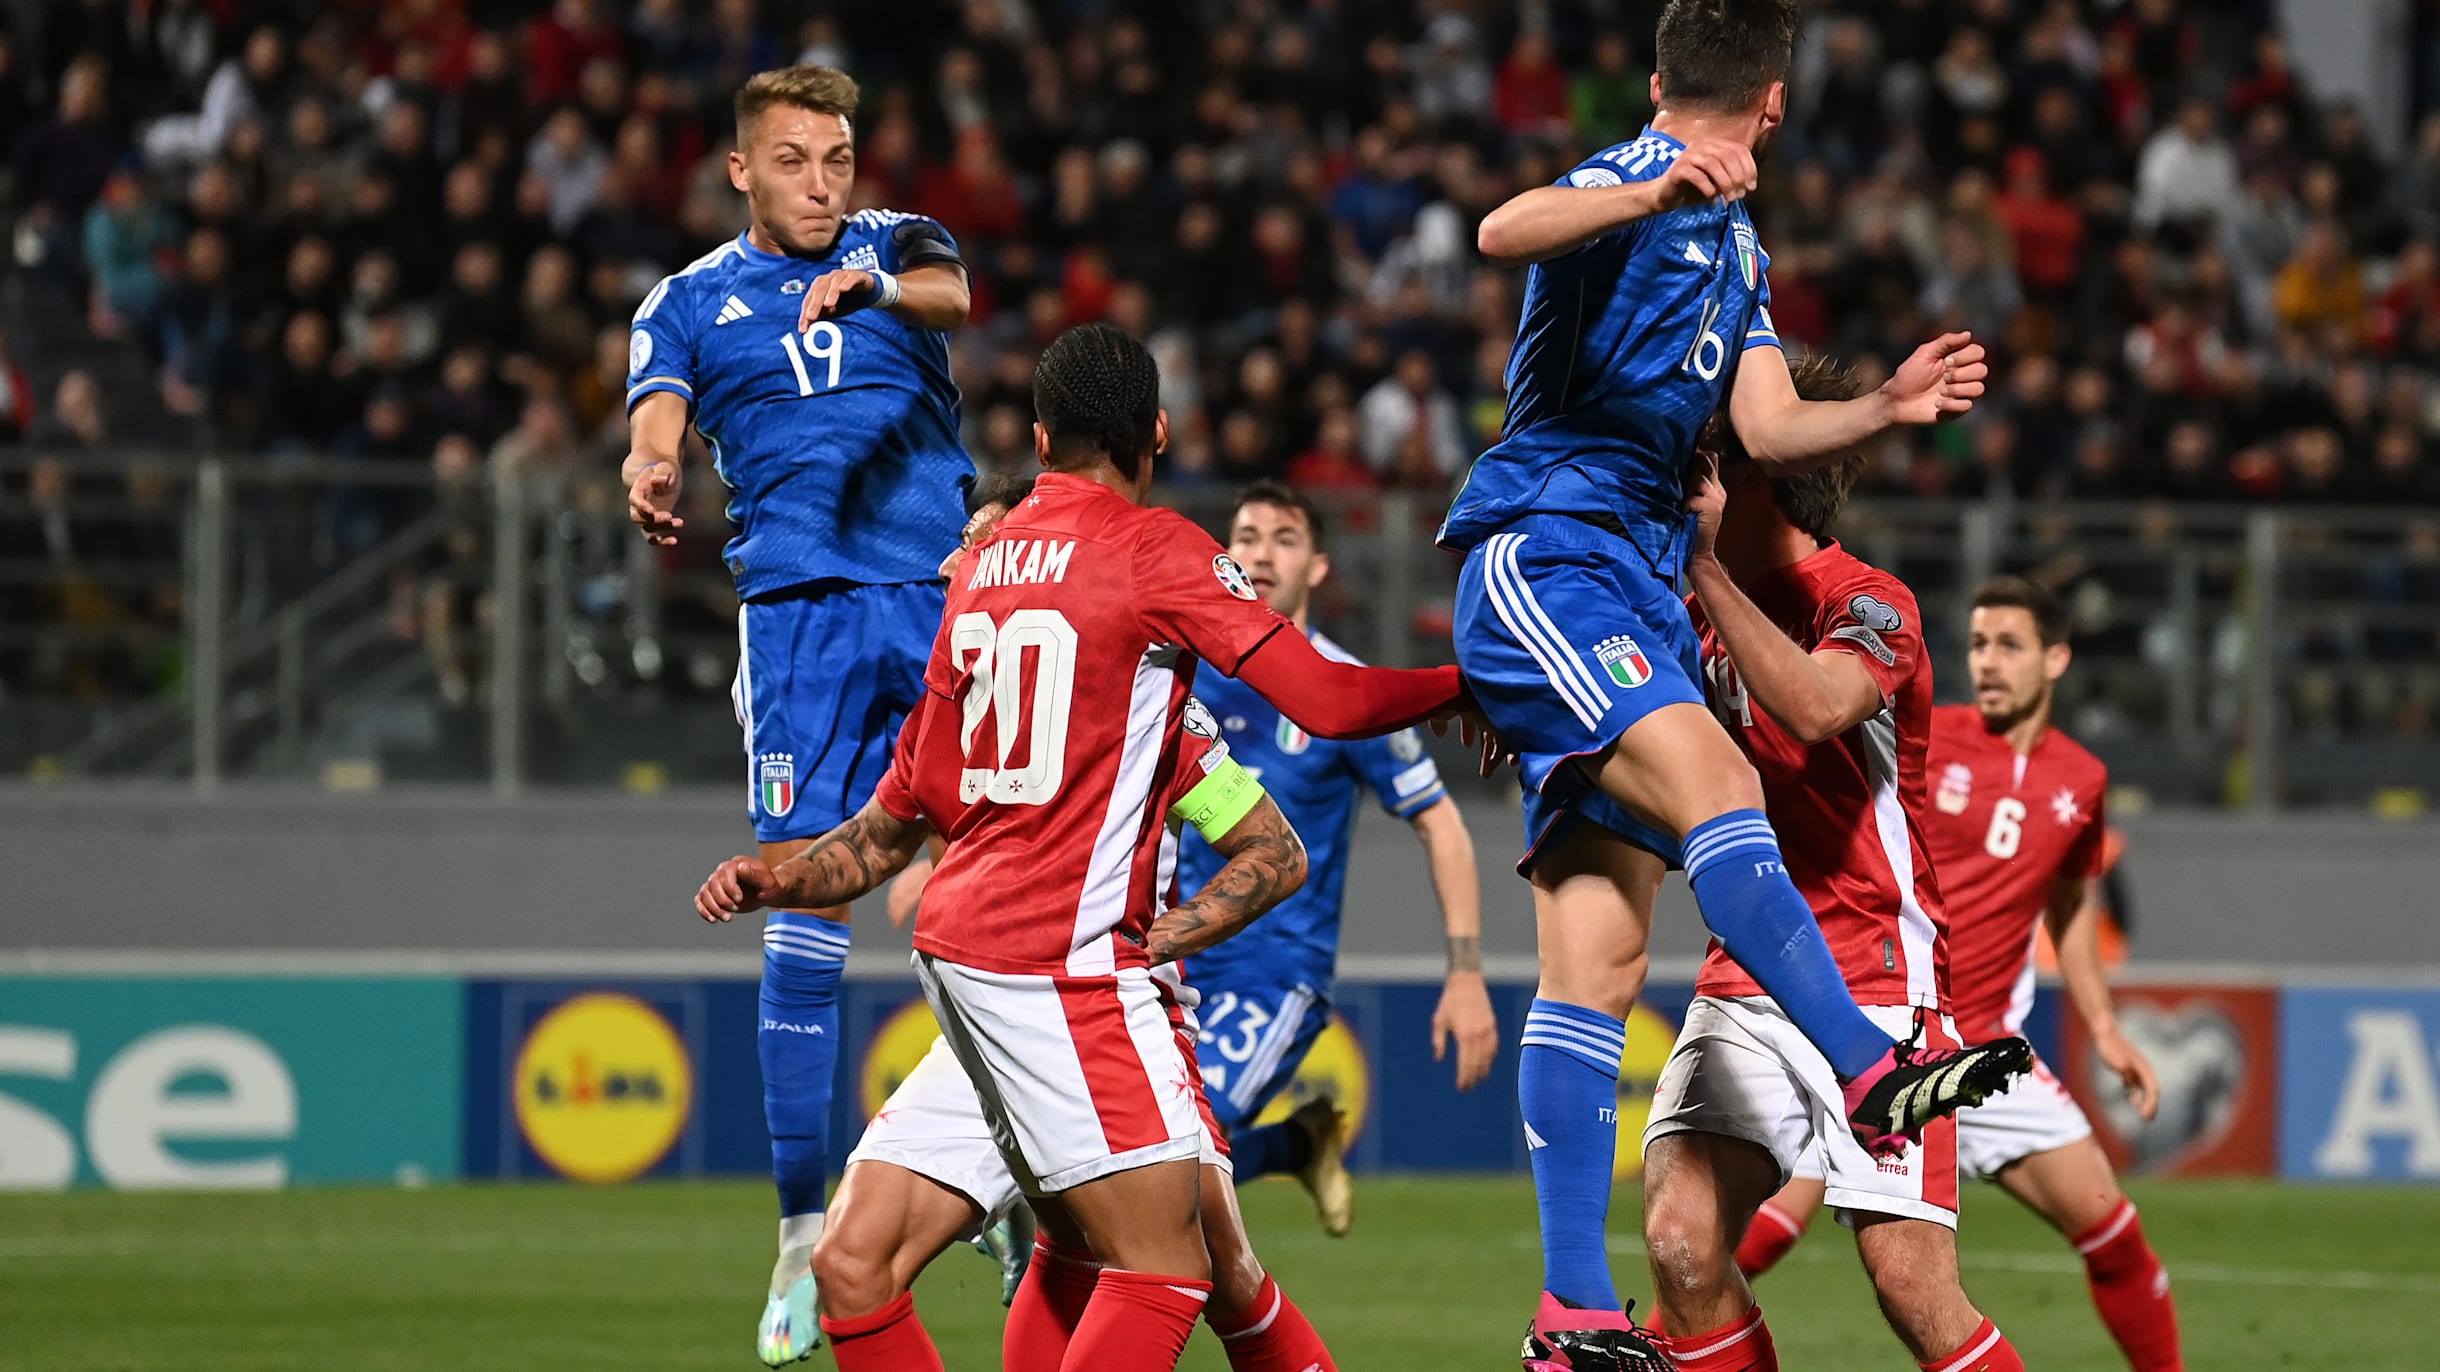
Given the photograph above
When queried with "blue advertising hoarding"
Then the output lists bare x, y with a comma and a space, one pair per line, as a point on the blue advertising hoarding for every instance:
2360, 1084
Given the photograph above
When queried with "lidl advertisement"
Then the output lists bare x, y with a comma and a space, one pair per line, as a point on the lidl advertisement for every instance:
227, 1083
2360, 1070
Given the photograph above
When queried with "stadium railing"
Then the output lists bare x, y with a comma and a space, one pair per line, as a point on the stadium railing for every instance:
211, 619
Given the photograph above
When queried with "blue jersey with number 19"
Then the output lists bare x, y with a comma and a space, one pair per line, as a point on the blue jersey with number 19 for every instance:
1626, 346
840, 444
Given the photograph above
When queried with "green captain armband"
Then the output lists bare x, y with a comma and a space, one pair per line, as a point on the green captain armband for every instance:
1228, 794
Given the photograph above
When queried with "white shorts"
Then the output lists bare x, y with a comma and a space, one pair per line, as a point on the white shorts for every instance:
933, 1126
2034, 1115
1741, 1069
1078, 1077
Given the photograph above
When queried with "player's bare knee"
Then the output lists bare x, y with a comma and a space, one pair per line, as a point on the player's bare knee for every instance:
855, 1270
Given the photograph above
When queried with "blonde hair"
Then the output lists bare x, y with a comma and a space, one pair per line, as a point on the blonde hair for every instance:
823, 90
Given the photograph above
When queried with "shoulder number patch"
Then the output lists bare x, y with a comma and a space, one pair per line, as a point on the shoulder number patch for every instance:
1875, 613
1233, 578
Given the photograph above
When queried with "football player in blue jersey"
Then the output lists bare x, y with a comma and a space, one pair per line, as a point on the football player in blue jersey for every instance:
1266, 992
1646, 310
812, 355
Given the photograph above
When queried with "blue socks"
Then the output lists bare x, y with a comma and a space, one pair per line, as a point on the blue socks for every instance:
1733, 863
798, 1042
1261, 1150
1567, 1090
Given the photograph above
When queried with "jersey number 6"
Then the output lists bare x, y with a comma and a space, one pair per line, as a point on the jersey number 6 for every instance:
993, 658
823, 343
2007, 828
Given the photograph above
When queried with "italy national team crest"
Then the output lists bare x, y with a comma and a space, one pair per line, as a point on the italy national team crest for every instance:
1956, 788
775, 783
1291, 739
1625, 662
1749, 256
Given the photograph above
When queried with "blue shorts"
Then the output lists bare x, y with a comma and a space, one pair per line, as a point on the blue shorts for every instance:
825, 675
1556, 693
1253, 1038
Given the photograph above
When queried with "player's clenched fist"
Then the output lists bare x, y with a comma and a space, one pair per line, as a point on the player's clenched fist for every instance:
734, 887
1709, 169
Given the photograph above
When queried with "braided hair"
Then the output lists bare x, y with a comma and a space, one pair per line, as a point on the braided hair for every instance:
1097, 394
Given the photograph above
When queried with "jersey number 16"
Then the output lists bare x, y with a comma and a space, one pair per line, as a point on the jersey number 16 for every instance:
993, 658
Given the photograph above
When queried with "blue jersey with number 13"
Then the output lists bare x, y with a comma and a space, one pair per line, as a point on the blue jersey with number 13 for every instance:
1625, 348
839, 444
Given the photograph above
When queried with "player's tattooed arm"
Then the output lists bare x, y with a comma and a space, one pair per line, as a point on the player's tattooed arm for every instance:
849, 861
1266, 865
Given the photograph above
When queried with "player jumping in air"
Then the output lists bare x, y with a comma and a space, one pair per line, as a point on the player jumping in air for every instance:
1645, 311
1816, 668
1053, 717
926, 1173
2016, 834
812, 355
1266, 993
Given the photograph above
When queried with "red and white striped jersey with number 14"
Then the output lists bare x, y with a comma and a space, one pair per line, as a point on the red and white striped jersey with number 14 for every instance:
1849, 811
1049, 738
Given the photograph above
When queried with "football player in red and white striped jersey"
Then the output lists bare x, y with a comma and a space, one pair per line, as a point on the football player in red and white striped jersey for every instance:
1815, 664
1052, 722
2018, 838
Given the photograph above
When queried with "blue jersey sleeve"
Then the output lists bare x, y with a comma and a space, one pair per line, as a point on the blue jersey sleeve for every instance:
913, 240
1760, 332
1639, 160
1399, 772
661, 346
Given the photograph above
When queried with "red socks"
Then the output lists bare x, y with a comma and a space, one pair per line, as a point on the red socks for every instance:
1048, 1306
890, 1339
1985, 1350
1136, 1322
1742, 1345
1273, 1336
1773, 1232
2131, 1290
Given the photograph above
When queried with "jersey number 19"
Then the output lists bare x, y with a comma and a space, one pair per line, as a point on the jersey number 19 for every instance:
993, 658
823, 343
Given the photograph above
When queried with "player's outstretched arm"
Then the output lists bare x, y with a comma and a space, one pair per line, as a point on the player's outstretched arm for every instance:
1553, 221
1464, 1015
1789, 435
1266, 865
2074, 917
849, 861
655, 443
1333, 699
1815, 696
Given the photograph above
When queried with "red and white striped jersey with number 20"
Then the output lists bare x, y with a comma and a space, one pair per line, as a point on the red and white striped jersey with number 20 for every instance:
1048, 741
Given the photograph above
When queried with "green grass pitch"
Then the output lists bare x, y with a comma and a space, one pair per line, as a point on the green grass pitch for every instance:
1439, 1274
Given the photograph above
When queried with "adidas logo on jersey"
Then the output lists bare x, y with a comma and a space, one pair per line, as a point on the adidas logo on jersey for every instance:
1695, 255
734, 309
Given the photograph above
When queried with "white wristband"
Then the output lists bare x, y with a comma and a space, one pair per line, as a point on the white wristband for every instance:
886, 290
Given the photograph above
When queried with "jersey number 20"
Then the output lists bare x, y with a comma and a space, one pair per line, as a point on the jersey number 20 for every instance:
993, 658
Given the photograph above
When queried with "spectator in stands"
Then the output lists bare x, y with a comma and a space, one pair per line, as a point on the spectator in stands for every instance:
60, 165
1529, 96
2188, 176
1611, 100
570, 165
1412, 432
16, 396
246, 87
78, 420
2321, 288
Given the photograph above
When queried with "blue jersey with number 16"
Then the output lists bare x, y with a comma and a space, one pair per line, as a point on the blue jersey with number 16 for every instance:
1625, 348
839, 444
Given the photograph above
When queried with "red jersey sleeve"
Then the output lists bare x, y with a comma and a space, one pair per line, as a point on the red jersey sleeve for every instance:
1190, 592
2088, 853
896, 791
1875, 619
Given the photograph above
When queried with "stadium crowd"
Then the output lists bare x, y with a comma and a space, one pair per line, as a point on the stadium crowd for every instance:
416, 230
